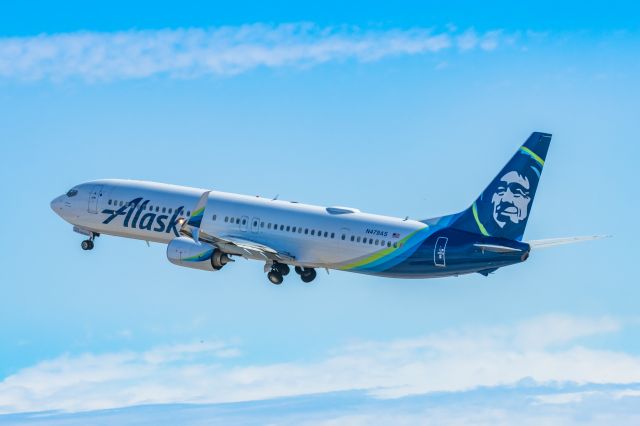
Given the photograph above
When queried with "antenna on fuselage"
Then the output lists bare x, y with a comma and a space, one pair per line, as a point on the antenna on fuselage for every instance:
275, 198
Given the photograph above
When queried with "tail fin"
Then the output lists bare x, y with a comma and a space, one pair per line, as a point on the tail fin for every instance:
503, 208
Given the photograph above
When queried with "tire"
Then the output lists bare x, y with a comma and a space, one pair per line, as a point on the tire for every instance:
284, 269
308, 275
275, 277
298, 270
86, 245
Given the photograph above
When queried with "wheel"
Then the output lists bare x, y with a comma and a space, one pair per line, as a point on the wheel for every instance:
308, 275
275, 277
298, 270
86, 245
284, 269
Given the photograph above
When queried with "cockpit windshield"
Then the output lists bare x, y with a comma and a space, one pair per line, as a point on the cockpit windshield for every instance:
72, 192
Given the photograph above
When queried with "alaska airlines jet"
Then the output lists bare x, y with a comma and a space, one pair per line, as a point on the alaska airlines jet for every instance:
206, 229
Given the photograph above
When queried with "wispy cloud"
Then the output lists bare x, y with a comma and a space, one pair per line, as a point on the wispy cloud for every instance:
453, 361
193, 52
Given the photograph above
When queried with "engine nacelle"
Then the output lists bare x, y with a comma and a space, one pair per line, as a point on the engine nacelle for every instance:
184, 251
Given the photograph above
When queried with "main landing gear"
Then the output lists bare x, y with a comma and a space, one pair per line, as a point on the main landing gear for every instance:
280, 270
306, 274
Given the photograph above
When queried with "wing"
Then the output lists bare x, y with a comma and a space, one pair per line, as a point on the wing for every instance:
552, 242
229, 243
248, 248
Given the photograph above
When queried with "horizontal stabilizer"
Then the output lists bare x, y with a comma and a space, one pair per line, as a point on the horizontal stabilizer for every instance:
497, 248
552, 242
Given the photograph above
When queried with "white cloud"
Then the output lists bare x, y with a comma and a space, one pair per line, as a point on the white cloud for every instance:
193, 52
543, 350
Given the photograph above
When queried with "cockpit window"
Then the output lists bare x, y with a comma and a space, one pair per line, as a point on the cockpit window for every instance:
72, 192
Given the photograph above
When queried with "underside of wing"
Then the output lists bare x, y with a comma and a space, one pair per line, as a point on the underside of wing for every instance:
552, 242
247, 248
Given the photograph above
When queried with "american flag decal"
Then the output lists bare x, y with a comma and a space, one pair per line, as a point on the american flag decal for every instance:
395, 235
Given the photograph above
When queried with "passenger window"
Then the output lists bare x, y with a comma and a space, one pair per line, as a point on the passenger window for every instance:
388, 243
282, 227
358, 239
261, 224
313, 232
188, 212
333, 234
395, 245
109, 202
371, 241
306, 231
293, 229
352, 238
213, 218
255, 223
269, 226
244, 221
300, 230
377, 242
158, 209
343, 237
288, 228
226, 219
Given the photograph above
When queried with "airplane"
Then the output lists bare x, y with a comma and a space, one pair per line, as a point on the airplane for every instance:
206, 229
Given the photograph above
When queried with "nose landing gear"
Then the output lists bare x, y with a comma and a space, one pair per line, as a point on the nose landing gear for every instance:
88, 243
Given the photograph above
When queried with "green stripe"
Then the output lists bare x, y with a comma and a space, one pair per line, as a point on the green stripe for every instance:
381, 253
532, 154
480, 225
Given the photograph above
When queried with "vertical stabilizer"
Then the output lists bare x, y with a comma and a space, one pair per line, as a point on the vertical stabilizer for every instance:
503, 208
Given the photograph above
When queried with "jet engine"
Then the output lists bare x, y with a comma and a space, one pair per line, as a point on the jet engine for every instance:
184, 251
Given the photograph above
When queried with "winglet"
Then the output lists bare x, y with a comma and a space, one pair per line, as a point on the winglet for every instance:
198, 213
192, 225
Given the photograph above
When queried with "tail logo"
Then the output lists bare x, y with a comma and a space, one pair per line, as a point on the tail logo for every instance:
511, 199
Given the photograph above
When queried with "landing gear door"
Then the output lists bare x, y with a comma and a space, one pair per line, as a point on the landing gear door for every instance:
439, 252
94, 197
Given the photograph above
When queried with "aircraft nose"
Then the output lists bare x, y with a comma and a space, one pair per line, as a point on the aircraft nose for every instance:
56, 205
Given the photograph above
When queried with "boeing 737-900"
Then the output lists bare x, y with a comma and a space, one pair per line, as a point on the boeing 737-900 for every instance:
206, 229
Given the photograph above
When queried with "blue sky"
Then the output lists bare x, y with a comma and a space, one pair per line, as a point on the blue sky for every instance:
403, 109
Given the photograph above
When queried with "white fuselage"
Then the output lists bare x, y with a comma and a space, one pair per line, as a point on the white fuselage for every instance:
315, 236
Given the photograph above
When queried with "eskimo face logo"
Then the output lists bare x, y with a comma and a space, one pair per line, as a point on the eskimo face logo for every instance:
511, 200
